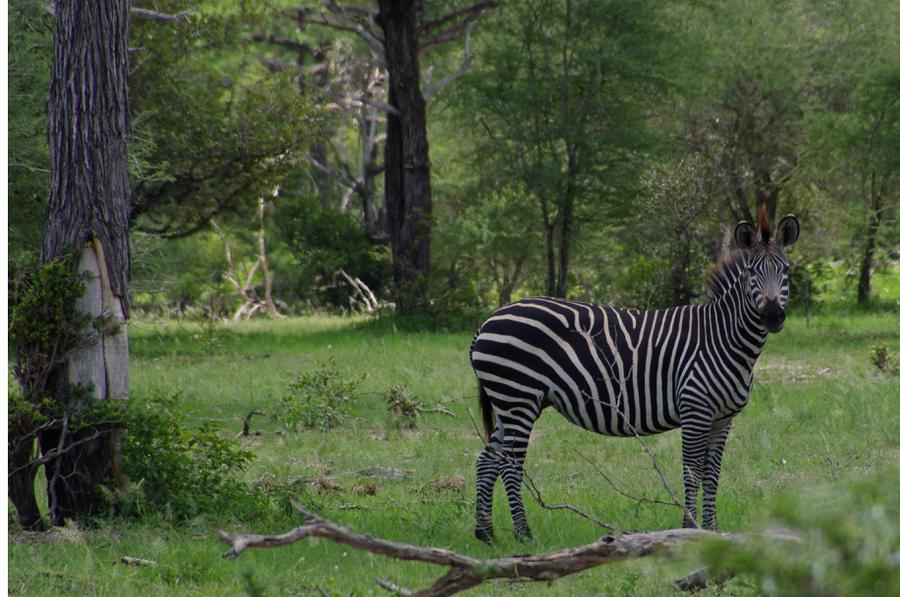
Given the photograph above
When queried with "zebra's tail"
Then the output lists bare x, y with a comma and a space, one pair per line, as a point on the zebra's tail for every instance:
487, 412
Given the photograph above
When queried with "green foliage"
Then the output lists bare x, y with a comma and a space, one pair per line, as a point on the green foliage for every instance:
405, 409
179, 471
552, 117
489, 247
30, 52
674, 228
850, 540
319, 399
44, 325
213, 128
322, 240
182, 277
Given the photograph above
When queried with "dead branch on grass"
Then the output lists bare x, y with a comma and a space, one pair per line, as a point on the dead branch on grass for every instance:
245, 422
467, 572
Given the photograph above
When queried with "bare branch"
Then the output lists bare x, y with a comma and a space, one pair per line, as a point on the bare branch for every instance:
58, 451
466, 572
353, 19
472, 14
431, 89
394, 588
153, 15
290, 44
428, 26
619, 490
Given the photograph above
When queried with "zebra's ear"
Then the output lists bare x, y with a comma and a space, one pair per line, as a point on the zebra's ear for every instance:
788, 231
744, 235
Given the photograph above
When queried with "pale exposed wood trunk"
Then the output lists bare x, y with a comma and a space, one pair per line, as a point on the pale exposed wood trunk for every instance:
88, 212
407, 186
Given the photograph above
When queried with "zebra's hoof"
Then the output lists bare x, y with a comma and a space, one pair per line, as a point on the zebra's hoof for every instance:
524, 536
486, 535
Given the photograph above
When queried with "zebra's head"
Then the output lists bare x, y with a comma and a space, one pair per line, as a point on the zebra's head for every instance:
765, 277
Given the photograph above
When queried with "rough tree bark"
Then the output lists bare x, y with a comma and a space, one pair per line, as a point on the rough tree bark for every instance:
407, 184
88, 212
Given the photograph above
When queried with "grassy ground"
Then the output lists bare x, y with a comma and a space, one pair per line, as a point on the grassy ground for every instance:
820, 414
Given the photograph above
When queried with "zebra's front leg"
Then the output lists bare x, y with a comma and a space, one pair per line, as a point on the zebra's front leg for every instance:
695, 430
715, 447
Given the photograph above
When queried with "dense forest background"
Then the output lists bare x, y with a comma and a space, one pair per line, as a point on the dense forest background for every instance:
599, 150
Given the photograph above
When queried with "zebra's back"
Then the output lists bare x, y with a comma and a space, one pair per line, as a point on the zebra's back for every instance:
612, 371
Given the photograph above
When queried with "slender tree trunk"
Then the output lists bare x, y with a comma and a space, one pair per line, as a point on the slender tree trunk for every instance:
679, 278
268, 277
550, 240
407, 186
567, 207
568, 224
864, 287
88, 212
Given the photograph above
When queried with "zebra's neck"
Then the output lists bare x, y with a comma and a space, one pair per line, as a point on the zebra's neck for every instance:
732, 321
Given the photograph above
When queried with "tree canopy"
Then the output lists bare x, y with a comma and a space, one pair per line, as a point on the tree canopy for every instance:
569, 143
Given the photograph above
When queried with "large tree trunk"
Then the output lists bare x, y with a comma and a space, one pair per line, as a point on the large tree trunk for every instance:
88, 212
407, 186
864, 287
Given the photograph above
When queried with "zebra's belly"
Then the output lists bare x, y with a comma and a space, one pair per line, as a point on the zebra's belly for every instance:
618, 417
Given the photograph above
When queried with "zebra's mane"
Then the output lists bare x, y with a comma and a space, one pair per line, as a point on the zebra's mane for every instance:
725, 273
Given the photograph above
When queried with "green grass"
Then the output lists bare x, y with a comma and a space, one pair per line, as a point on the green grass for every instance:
820, 414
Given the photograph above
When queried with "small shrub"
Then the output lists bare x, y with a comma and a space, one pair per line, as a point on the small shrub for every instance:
319, 399
404, 408
881, 357
182, 471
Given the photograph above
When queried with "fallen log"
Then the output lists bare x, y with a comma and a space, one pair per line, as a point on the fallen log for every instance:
467, 572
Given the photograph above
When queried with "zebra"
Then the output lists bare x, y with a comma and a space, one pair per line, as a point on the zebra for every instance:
624, 372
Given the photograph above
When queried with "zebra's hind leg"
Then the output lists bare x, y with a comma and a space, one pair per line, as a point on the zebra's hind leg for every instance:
487, 468
516, 426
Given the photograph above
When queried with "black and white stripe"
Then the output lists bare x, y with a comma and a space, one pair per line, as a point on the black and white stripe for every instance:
622, 372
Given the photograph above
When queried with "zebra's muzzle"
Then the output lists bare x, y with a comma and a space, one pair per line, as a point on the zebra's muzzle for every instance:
773, 316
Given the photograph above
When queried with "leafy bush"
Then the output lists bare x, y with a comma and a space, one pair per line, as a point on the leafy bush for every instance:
44, 324
881, 357
319, 399
850, 543
404, 408
181, 471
